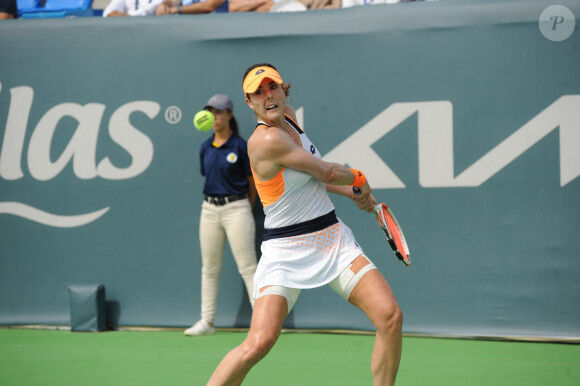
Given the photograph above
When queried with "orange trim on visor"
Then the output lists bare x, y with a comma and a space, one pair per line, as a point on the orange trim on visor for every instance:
255, 77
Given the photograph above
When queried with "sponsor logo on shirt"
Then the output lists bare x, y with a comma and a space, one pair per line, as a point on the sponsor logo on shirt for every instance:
232, 158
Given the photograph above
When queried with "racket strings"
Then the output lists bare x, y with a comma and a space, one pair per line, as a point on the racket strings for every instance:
380, 216
396, 235
393, 232
395, 229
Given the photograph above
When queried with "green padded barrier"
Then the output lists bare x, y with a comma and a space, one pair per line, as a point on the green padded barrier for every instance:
87, 307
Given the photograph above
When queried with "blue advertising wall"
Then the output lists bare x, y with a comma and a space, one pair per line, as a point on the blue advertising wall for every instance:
463, 114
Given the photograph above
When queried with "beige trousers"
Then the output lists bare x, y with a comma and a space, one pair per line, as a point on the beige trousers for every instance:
235, 222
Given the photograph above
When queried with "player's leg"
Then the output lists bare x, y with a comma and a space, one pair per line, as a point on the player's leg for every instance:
241, 230
366, 288
374, 296
267, 318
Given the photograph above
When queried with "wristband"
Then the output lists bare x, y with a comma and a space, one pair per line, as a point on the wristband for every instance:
359, 178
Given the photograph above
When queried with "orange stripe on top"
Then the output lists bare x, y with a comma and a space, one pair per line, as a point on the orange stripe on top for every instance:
269, 191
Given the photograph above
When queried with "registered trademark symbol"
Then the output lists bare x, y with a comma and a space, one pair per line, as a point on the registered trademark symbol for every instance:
173, 115
557, 23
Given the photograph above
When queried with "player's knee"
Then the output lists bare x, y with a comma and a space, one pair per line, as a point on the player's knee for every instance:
398, 317
258, 348
391, 317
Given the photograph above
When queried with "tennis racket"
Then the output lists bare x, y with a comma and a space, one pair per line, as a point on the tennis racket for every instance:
392, 230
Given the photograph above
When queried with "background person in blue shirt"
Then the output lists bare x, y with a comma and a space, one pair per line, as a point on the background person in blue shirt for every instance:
226, 211
8, 9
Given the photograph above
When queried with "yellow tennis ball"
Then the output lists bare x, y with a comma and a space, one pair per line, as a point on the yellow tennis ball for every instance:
203, 120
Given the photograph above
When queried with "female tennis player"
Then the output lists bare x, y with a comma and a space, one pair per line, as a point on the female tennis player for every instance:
305, 245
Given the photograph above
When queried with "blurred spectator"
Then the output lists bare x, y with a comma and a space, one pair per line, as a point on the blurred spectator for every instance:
251, 5
8, 9
189, 7
353, 3
321, 4
171, 7
288, 6
130, 8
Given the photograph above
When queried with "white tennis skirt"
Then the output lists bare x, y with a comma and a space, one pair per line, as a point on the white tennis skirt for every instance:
306, 261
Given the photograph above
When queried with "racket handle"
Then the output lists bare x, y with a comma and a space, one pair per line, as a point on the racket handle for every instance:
356, 191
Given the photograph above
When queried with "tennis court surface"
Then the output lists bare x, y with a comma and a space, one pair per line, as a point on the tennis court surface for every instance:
57, 357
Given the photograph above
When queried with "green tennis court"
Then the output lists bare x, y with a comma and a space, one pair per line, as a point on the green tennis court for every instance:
56, 357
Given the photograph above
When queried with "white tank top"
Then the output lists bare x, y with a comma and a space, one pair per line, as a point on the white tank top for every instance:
302, 197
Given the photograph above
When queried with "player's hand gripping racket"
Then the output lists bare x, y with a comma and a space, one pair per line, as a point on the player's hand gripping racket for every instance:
391, 229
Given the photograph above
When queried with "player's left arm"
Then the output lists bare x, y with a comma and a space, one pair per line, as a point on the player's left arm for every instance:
330, 173
363, 201
337, 178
